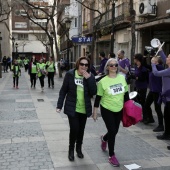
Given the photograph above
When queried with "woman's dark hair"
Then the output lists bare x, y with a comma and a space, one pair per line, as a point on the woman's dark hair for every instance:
112, 55
79, 60
139, 57
160, 61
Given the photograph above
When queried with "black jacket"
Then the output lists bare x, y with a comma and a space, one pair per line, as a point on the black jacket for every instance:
68, 92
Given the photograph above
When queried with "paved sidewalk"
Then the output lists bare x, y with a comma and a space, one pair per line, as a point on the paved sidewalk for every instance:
34, 137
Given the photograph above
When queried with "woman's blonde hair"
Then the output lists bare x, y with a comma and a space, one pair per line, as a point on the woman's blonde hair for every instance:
106, 71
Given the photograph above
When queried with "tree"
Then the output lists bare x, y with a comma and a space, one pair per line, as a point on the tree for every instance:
5, 9
48, 12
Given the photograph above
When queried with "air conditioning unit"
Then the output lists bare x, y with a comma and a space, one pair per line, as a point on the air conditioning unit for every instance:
147, 7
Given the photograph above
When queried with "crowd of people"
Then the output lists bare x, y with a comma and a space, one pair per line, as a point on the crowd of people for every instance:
111, 91
36, 70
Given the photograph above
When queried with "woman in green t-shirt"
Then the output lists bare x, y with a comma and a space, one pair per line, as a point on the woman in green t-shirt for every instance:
112, 92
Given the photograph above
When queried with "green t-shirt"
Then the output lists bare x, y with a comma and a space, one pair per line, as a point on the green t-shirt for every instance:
15, 69
112, 91
41, 68
34, 68
80, 103
26, 61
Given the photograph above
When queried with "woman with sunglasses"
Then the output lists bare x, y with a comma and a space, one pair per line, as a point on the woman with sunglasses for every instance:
78, 87
112, 92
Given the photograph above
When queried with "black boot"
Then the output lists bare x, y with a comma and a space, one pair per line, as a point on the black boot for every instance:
79, 152
71, 154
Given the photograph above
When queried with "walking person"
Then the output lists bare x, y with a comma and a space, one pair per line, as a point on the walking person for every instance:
165, 96
102, 63
155, 88
112, 92
16, 73
26, 61
141, 81
51, 71
78, 87
41, 66
33, 71
4, 61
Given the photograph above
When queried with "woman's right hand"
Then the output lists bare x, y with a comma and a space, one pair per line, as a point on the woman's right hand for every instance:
94, 115
58, 110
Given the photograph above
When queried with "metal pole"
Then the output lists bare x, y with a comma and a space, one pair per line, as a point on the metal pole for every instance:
0, 57
112, 32
68, 51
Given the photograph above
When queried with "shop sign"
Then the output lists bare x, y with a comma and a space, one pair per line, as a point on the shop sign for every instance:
82, 40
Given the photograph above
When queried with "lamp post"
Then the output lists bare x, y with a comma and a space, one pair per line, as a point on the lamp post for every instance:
112, 32
16, 46
13, 47
0, 57
68, 25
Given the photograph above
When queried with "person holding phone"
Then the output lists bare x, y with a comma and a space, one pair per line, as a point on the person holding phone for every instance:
112, 92
78, 87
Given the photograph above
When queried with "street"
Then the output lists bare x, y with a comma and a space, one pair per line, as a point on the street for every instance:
33, 136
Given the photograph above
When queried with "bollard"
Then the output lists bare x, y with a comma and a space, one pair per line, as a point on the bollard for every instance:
0, 70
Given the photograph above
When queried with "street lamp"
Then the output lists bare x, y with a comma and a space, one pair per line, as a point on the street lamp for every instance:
112, 31
16, 46
68, 25
13, 48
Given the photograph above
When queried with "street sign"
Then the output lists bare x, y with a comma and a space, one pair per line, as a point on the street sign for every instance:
81, 40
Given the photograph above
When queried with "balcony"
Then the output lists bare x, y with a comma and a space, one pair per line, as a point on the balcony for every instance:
87, 27
121, 16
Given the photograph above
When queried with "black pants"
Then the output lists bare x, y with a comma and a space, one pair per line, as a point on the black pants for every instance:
141, 99
5, 67
50, 78
112, 122
15, 80
77, 126
153, 97
167, 118
26, 67
42, 80
33, 79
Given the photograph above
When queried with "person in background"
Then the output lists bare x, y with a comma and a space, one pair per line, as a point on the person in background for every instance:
141, 81
111, 55
9, 63
124, 64
4, 61
16, 73
102, 63
155, 88
112, 92
41, 66
165, 96
26, 61
78, 87
92, 68
51, 71
33, 71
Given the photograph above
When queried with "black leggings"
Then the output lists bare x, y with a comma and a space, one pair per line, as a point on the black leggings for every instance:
42, 80
77, 126
112, 122
167, 118
33, 79
15, 79
50, 78
153, 97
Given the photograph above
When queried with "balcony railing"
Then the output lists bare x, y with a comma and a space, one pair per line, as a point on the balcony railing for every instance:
87, 27
121, 15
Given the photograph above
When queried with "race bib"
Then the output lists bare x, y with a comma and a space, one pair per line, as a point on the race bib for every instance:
33, 66
117, 89
79, 81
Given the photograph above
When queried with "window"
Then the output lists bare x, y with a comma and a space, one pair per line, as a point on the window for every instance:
22, 36
75, 22
42, 37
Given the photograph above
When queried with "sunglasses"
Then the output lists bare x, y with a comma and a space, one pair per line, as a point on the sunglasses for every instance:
113, 65
82, 64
